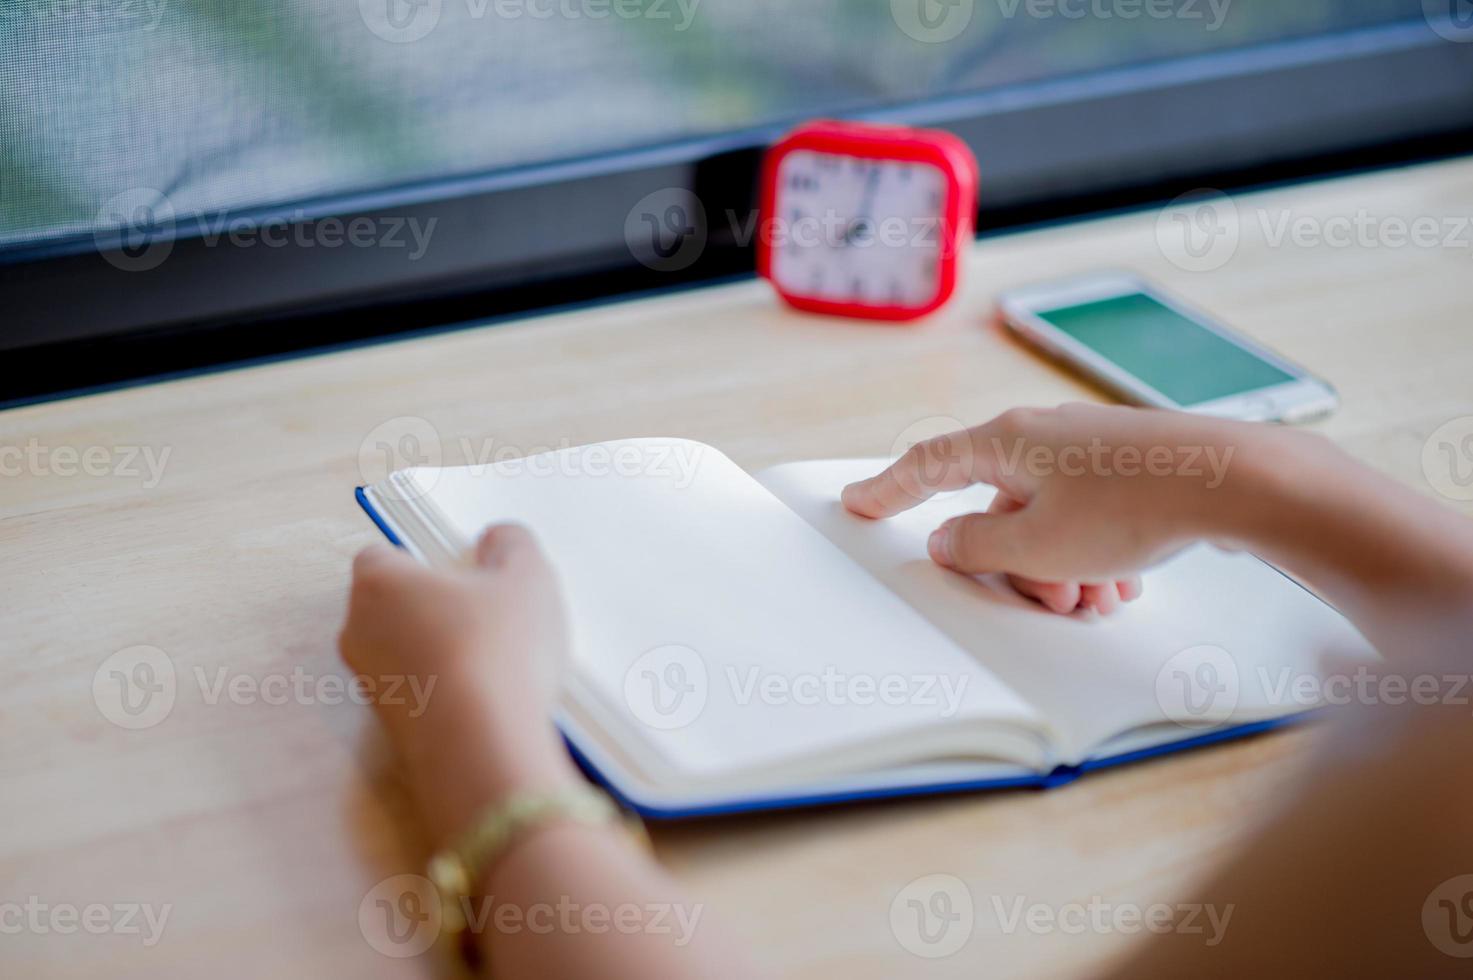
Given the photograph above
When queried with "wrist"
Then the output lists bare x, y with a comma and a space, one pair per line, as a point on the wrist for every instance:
1274, 491
475, 747
452, 789
1215, 491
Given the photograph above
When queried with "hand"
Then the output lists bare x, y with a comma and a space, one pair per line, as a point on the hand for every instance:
463, 665
1105, 598
1087, 495
490, 634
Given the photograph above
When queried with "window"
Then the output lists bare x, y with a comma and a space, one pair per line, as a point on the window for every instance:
528, 128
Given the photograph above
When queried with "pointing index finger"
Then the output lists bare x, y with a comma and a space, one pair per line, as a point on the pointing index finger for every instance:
948, 462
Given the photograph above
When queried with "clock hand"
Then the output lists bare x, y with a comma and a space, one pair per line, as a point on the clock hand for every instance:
866, 206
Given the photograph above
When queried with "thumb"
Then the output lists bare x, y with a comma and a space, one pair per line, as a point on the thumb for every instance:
501, 545
978, 543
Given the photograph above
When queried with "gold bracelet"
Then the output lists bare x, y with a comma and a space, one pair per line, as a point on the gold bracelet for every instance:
456, 870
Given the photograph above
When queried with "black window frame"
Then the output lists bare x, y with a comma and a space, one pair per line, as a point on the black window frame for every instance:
74, 321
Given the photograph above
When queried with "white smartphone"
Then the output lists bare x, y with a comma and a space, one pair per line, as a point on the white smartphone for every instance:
1154, 350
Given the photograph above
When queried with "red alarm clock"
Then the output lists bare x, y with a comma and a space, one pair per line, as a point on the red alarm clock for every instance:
865, 220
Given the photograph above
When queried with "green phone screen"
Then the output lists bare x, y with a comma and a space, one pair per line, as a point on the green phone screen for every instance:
1177, 356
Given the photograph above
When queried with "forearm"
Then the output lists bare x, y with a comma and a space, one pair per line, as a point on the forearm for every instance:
567, 900
1335, 883
1338, 883
1396, 563
575, 901
478, 645
472, 746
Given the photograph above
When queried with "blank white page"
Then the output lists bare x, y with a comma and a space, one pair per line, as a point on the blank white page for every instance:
689, 586
1094, 677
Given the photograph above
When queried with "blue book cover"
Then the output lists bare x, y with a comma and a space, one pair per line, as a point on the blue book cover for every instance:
904, 783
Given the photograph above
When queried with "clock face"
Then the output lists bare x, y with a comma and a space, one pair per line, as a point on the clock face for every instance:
858, 231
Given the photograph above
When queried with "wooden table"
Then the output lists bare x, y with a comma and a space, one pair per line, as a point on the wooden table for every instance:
264, 825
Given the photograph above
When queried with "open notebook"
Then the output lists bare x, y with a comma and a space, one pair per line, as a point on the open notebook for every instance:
743, 642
